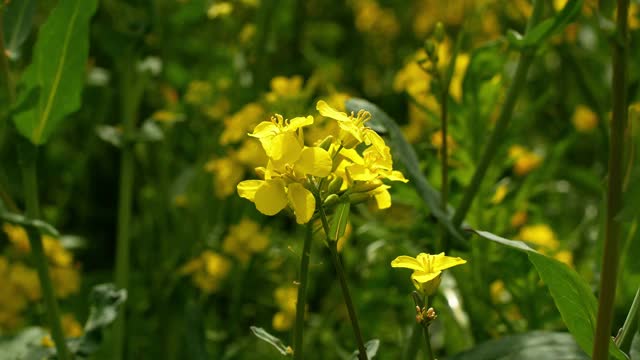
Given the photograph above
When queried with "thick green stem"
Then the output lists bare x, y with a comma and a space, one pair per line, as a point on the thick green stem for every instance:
302, 294
497, 137
130, 92
611, 251
623, 340
362, 351
427, 342
28, 164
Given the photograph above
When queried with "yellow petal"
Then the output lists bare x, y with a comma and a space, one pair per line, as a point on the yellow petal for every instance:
372, 137
302, 202
360, 173
327, 111
271, 197
247, 189
424, 277
298, 122
314, 161
397, 176
264, 129
441, 262
285, 148
382, 196
407, 262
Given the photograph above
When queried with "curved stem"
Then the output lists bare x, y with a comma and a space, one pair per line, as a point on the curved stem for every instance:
28, 164
302, 294
362, 351
623, 340
427, 342
611, 251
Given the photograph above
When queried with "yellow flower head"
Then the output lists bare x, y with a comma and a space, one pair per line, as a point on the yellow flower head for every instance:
284, 87
541, 235
245, 239
286, 299
584, 119
207, 271
353, 128
427, 269
525, 161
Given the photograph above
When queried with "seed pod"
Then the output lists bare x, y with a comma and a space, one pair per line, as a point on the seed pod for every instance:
335, 185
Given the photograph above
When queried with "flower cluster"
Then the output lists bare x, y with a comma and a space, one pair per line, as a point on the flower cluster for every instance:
207, 271
302, 177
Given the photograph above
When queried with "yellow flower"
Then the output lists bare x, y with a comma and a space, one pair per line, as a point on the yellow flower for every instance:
436, 141
584, 119
518, 219
227, 174
219, 8
286, 299
501, 192
245, 239
167, 117
238, 124
499, 293
427, 269
198, 92
283, 87
280, 138
353, 128
207, 271
564, 256
25, 280
525, 161
66, 281
541, 235
17, 236
70, 326
47, 342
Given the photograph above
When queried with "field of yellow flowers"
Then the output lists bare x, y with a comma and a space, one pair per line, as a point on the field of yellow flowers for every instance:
319, 179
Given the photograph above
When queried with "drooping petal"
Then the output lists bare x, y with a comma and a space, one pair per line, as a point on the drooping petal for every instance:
382, 197
302, 202
423, 276
359, 172
314, 161
247, 189
372, 138
396, 175
327, 111
298, 122
441, 262
271, 197
285, 148
407, 262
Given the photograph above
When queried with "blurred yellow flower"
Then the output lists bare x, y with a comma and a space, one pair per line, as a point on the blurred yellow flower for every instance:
227, 174
25, 281
17, 236
564, 256
284, 87
286, 299
499, 293
198, 92
66, 281
219, 9
518, 218
436, 141
427, 269
245, 239
584, 119
541, 235
207, 271
70, 326
237, 125
525, 161
501, 192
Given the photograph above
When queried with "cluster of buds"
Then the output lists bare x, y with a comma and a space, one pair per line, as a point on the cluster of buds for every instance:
425, 316
431, 62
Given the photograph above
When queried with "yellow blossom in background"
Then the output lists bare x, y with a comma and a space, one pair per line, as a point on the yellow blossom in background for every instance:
455, 87
167, 117
227, 174
284, 87
66, 281
219, 9
244, 120
371, 18
427, 269
25, 281
584, 119
17, 236
518, 219
198, 92
499, 195
286, 299
245, 239
55, 252
540, 235
499, 293
70, 326
219, 109
247, 33
524, 161
564, 256
436, 141
180, 201
47, 342
207, 271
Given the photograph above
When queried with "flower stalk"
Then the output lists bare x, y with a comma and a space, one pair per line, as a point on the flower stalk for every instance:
333, 248
611, 251
302, 294
28, 164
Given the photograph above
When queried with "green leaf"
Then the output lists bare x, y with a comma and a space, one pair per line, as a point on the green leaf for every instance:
408, 157
18, 20
571, 294
529, 346
262, 334
21, 344
17, 219
635, 347
547, 27
371, 348
339, 220
57, 70
105, 302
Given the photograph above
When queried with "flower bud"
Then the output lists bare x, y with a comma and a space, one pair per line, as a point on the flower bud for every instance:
438, 33
331, 200
326, 143
335, 185
359, 197
430, 48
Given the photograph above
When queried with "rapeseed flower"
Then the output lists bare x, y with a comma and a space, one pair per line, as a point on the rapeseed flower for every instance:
427, 269
584, 119
245, 239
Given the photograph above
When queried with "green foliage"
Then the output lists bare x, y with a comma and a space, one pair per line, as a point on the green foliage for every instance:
264, 335
572, 295
547, 27
339, 220
50, 87
18, 20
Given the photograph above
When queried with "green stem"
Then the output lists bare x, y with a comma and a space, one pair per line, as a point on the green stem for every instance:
611, 251
130, 92
414, 342
494, 142
28, 164
427, 342
302, 294
362, 351
623, 340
